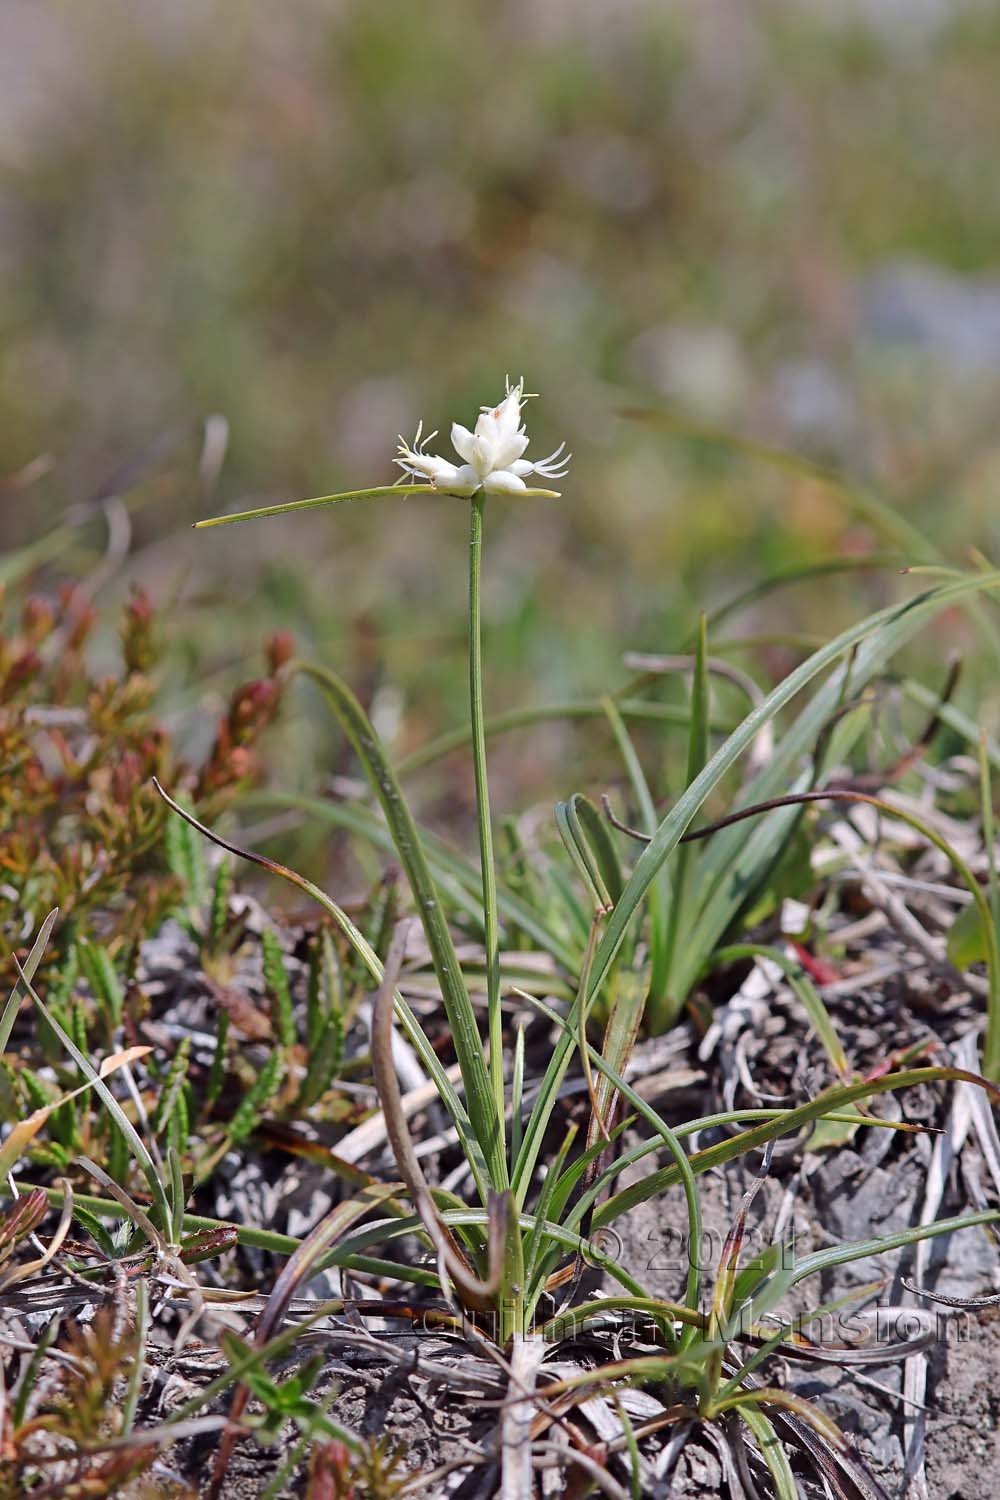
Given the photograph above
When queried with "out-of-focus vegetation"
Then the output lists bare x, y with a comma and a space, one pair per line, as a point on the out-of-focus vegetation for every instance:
81, 827
325, 221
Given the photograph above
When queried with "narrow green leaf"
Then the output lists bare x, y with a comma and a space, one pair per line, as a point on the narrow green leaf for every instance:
28, 969
380, 492
624, 1019
535, 1247
172, 1084
222, 889
135, 1142
517, 1094
668, 994
217, 1070
659, 889
771, 1451
248, 1112
186, 859
681, 1168
325, 1056
178, 1196
989, 828
955, 719
30, 1371
876, 638
586, 840
967, 940
489, 1127
826, 1103
787, 1277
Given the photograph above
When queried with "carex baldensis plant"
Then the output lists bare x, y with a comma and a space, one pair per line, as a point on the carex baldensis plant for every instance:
491, 461
502, 1260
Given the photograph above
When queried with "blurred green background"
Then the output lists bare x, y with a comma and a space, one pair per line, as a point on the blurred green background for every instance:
326, 219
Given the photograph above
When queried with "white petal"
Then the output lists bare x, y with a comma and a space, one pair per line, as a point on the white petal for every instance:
503, 482
497, 430
508, 413
483, 457
417, 465
521, 466
509, 448
486, 424
439, 471
462, 440
463, 481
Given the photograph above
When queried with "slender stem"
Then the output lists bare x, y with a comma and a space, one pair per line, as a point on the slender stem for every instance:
490, 923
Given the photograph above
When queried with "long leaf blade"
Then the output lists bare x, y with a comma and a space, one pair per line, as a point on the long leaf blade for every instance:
379, 492
483, 1112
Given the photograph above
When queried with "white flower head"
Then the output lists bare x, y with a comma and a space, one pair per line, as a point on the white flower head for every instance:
492, 455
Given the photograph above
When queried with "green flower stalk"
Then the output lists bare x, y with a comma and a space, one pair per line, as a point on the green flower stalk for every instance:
493, 462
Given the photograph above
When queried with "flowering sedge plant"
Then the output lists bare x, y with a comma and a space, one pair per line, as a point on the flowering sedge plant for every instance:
493, 461
502, 1261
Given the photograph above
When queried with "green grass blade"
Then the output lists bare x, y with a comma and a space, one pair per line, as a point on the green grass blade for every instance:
713, 1122
487, 1122
379, 492
991, 943
585, 838
829, 1101
682, 1163
568, 1179
838, 1255
177, 1196
660, 892
771, 1451
665, 1003
535, 1248
136, 1144
286, 507
953, 717
577, 1317
28, 969
517, 1094
798, 1322
624, 1019
385, 1230
736, 863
